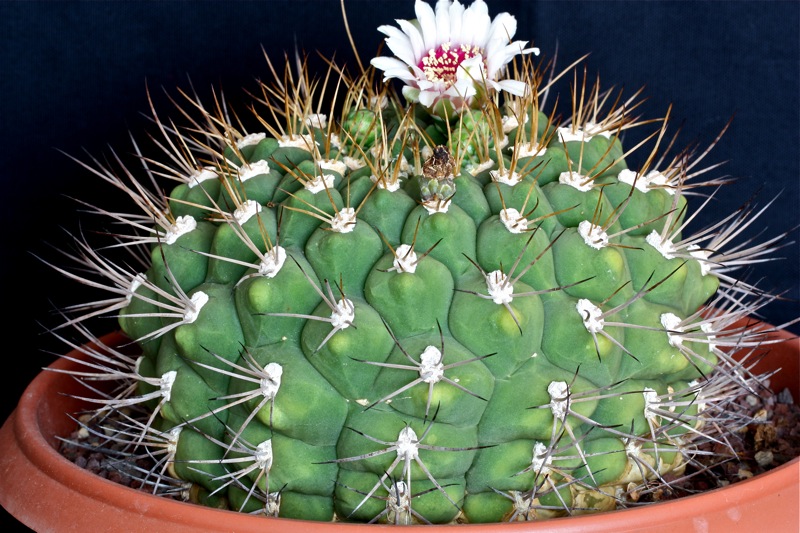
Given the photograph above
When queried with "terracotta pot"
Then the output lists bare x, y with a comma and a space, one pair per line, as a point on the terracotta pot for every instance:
47, 492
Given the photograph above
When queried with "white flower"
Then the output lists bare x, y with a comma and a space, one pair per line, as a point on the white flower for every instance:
451, 54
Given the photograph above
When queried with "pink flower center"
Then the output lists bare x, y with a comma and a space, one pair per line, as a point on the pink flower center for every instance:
441, 64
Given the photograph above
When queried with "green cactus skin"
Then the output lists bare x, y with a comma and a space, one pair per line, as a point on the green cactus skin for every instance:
406, 319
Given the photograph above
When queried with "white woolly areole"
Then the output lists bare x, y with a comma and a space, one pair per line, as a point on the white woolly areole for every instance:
403, 165
592, 129
503, 143
246, 211
671, 322
273, 504
510, 122
379, 101
500, 289
645, 183
137, 281
702, 258
199, 176
567, 134
172, 439
354, 163
272, 262
165, 384
391, 185
559, 393
399, 500
183, 225
634, 448
527, 150
256, 168
671, 391
344, 221
431, 369
651, 403
506, 177
344, 314
590, 314
198, 300
664, 247
584, 134
425, 152
480, 167
263, 455
699, 394
405, 259
541, 460
593, 236
317, 120
407, 444
376, 151
306, 142
576, 180
271, 381
634, 179
436, 206
708, 329
320, 183
657, 180
523, 501
334, 142
513, 220
250, 140
332, 164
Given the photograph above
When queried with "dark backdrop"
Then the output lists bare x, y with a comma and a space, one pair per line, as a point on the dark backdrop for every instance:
74, 77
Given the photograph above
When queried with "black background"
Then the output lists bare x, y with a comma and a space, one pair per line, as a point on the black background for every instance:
74, 77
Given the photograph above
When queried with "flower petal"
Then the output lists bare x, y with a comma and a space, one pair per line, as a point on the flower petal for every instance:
427, 23
443, 21
426, 98
501, 56
416, 39
400, 45
475, 26
515, 87
456, 19
392, 68
503, 28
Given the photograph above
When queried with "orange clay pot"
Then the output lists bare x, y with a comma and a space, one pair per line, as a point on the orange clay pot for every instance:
46, 492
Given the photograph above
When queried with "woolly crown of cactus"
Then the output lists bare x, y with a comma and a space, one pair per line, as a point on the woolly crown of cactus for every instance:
452, 304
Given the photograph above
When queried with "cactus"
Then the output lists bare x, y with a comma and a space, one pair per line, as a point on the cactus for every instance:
452, 305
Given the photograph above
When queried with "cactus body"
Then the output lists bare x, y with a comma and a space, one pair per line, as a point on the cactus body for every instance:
421, 316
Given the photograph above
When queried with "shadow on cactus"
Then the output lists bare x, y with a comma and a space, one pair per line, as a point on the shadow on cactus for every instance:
451, 304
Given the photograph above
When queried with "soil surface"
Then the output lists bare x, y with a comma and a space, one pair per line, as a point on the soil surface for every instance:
772, 439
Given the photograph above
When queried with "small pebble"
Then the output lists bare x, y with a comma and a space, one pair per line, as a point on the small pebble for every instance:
764, 458
785, 397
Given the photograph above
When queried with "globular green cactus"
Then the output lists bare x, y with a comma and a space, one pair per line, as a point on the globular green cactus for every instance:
450, 306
